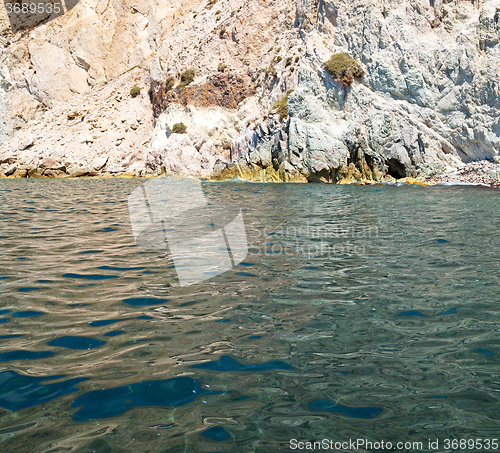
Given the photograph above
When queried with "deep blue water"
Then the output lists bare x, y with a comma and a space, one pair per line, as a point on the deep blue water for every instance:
76, 342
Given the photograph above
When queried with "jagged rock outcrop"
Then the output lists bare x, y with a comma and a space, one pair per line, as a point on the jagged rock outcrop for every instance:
428, 99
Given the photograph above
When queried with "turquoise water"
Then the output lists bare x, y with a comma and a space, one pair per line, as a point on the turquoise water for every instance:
359, 312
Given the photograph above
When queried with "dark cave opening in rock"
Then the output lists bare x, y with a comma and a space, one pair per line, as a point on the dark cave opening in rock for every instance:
395, 168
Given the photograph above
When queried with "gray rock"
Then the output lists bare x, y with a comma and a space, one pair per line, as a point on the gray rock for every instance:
26, 143
10, 170
78, 171
98, 163
52, 163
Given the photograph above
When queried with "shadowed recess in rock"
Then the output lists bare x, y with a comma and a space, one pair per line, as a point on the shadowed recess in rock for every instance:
216, 433
4, 319
115, 401
412, 313
144, 317
76, 342
4, 312
486, 352
10, 336
90, 276
441, 241
27, 314
18, 391
355, 412
26, 289
144, 301
103, 322
24, 355
226, 363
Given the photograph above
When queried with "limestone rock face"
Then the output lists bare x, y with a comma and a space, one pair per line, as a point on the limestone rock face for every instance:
211, 133
104, 131
428, 100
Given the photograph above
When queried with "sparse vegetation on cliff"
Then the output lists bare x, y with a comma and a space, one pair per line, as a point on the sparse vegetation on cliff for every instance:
221, 67
225, 89
169, 83
179, 128
271, 70
187, 77
281, 106
135, 91
343, 67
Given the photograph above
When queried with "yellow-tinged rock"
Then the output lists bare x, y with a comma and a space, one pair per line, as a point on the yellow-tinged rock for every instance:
418, 181
345, 181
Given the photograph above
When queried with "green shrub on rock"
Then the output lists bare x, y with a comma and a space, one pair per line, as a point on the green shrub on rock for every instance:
343, 67
179, 128
221, 67
169, 83
135, 91
282, 106
187, 77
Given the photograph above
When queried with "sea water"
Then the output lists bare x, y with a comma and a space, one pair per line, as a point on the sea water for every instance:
359, 312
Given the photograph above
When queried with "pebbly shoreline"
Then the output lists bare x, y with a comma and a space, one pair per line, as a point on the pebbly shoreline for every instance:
482, 172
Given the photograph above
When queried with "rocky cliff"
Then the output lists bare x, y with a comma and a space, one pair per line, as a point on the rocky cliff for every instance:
261, 104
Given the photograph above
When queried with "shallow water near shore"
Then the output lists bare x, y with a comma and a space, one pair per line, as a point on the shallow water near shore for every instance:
359, 312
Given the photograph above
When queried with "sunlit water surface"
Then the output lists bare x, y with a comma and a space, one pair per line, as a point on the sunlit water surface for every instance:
359, 312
